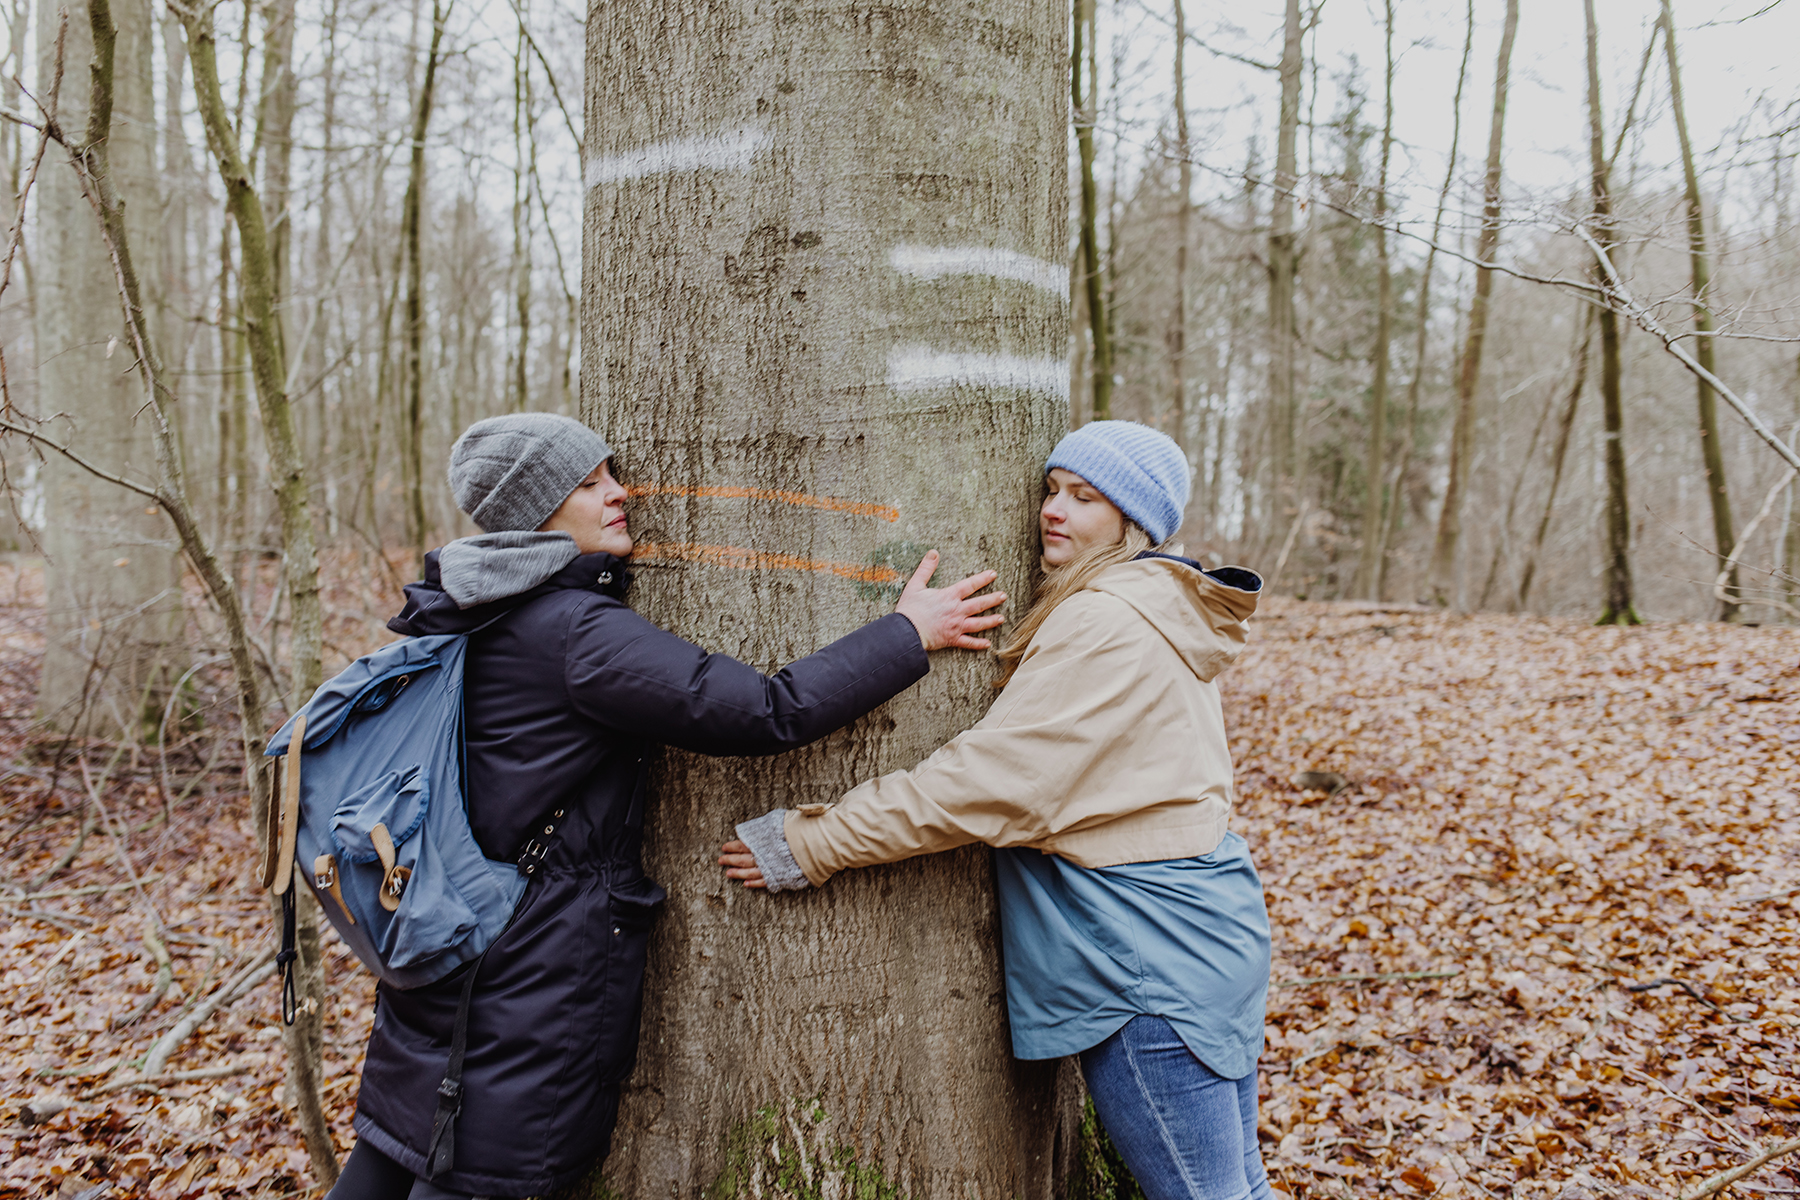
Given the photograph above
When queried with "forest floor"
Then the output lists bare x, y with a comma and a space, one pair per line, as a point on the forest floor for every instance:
1584, 846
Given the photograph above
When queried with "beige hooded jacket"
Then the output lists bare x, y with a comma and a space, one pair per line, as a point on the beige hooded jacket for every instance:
1107, 746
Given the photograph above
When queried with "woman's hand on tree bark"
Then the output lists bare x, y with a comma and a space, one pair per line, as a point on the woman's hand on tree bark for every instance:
950, 616
740, 864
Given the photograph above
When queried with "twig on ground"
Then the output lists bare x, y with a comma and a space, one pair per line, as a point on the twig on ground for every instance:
1388, 977
1692, 991
247, 979
165, 975
155, 1081
1691, 1103
1725, 1179
95, 890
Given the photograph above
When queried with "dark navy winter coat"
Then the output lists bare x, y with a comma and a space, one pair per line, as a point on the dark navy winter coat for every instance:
564, 696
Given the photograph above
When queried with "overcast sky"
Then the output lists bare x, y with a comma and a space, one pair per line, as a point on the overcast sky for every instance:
1735, 55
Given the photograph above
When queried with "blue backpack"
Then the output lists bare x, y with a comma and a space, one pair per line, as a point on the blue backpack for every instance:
371, 814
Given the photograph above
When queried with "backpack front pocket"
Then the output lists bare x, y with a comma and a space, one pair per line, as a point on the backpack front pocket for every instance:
392, 875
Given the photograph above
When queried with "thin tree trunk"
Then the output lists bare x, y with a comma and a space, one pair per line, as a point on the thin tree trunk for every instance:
1094, 282
1444, 555
1563, 429
259, 278
1503, 535
521, 218
1700, 263
873, 1004
1617, 608
1374, 470
413, 421
1283, 267
1422, 319
1184, 206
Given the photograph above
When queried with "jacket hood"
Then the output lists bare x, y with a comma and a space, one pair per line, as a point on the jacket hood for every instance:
1200, 612
429, 609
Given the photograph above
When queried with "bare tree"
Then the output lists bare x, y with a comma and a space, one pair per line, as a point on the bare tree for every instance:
1283, 263
112, 575
1369, 567
1087, 109
1700, 263
1443, 579
1618, 608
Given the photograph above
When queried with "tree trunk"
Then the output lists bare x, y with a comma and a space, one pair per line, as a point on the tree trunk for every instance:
521, 221
412, 424
1617, 608
257, 278
1283, 267
818, 263
1422, 318
1443, 581
1087, 112
1700, 261
1375, 454
113, 576
1557, 457
1184, 211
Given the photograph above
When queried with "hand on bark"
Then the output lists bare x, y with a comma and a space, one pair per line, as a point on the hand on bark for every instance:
950, 616
740, 864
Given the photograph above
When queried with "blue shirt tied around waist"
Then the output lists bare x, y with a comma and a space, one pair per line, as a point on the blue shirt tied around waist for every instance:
1087, 950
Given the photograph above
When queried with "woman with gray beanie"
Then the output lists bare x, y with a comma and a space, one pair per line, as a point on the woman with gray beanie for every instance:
1132, 921
565, 692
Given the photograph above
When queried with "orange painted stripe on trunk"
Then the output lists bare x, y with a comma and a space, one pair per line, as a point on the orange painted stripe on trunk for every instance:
758, 560
800, 499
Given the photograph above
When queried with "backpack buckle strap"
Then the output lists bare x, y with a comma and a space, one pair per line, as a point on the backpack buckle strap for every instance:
440, 1154
537, 847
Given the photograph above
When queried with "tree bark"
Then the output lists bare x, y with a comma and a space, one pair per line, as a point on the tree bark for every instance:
1617, 607
1443, 581
1375, 453
1087, 112
113, 576
1422, 317
1283, 267
1184, 212
817, 262
1700, 262
412, 425
1557, 457
257, 278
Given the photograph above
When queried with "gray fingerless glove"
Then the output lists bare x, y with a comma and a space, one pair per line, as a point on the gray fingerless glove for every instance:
767, 839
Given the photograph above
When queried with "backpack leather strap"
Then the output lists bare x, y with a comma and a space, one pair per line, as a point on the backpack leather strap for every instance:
290, 807
440, 1154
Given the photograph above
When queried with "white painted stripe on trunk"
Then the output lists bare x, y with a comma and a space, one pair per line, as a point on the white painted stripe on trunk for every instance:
915, 368
935, 262
731, 150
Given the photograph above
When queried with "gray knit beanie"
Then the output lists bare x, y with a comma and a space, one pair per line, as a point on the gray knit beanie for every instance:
512, 472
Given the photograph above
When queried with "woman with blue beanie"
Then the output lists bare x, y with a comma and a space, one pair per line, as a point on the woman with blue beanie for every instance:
1132, 921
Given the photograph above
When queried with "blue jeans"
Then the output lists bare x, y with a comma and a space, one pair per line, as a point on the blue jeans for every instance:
1186, 1133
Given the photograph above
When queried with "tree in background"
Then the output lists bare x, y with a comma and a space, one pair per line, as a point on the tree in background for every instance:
824, 325
1712, 452
1443, 581
1617, 607
113, 575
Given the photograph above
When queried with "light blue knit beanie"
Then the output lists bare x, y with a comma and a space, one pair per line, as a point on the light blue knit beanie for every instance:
1139, 469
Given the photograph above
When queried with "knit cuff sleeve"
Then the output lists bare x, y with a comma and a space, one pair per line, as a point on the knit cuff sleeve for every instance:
768, 842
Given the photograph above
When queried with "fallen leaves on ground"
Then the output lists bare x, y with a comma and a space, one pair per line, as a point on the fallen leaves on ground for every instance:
1596, 830
1556, 814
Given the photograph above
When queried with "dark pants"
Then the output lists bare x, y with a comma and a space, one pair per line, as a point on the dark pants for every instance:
371, 1175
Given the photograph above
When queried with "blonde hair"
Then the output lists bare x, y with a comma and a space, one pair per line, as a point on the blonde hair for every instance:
1059, 583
